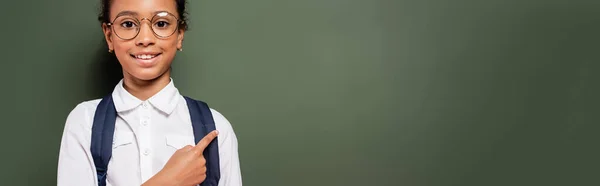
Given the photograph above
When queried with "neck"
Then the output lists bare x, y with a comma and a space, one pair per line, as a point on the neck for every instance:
144, 89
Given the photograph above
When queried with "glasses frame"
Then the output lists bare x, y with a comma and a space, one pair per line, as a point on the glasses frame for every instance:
139, 22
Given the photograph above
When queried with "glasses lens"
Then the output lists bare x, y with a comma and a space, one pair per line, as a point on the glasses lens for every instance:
126, 27
164, 24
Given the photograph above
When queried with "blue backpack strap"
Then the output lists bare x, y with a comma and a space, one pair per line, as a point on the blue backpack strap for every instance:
203, 123
103, 130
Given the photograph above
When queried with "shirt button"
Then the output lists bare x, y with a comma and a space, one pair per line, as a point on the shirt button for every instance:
145, 105
146, 152
145, 122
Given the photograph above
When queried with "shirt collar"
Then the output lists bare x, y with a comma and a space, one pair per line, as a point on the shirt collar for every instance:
165, 100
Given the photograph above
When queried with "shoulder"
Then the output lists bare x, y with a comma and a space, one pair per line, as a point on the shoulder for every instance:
82, 114
220, 120
85, 107
217, 116
223, 125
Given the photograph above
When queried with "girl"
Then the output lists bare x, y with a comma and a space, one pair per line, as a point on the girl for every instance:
153, 140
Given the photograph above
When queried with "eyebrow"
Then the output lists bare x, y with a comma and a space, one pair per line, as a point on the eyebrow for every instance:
132, 13
127, 12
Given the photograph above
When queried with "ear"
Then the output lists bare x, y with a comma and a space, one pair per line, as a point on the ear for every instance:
107, 35
180, 38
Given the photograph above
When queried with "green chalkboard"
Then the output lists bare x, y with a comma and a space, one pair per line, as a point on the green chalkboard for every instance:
338, 92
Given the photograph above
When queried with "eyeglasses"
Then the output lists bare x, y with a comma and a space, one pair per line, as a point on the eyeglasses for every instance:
163, 24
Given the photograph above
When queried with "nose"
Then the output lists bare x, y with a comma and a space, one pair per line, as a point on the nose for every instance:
146, 36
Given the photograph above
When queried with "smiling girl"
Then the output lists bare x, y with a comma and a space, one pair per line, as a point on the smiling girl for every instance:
153, 140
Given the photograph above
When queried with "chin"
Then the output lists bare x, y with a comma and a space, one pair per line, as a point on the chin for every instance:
148, 74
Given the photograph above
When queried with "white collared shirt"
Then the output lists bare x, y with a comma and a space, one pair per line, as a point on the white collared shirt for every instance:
147, 133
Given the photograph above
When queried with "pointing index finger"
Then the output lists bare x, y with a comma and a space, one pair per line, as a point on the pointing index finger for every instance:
206, 140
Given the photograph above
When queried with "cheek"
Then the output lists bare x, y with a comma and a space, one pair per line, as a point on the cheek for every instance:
169, 44
169, 49
122, 52
122, 47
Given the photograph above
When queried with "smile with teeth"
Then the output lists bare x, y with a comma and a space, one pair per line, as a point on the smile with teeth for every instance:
145, 56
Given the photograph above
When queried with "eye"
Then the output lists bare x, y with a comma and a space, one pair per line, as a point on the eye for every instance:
162, 24
128, 24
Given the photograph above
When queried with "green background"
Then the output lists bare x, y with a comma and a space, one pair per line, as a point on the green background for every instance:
338, 92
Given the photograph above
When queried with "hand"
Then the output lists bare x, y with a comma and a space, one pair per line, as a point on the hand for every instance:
186, 167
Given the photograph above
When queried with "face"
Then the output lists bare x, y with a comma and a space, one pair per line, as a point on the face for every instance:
145, 56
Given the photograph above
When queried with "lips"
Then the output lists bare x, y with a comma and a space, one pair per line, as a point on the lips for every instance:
146, 60
144, 56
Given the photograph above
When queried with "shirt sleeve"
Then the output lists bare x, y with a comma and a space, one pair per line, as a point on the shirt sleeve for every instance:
228, 152
75, 163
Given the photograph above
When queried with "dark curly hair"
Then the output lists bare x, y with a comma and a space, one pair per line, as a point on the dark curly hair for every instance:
104, 16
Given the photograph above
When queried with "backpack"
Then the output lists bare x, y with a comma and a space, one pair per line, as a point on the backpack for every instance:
104, 127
